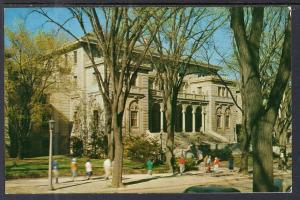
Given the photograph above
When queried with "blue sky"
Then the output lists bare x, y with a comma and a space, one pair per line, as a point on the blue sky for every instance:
35, 22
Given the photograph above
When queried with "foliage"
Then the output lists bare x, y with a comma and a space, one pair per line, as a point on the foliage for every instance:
190, 164
222, 154
77, 146
205, 149
29, 70
141, 147
98, 144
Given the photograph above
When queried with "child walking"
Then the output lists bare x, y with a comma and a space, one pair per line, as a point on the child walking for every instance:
55, 170
88, 169
149, 166
74, 168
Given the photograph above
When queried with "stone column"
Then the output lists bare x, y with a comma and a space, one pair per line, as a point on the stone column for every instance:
194, 118
203, 119
161, 117
183, 117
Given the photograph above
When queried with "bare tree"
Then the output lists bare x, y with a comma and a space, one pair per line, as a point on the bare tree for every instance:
176, 45
117, 38
261, 112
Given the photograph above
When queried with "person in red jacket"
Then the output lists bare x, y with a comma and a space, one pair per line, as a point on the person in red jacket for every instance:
216, 164
181, 163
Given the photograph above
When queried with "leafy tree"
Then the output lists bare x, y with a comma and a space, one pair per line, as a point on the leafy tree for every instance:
30, 70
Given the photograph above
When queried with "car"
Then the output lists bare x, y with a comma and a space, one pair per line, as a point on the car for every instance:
209, 189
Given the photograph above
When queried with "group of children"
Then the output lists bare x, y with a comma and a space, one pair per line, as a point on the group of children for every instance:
107, 164
208, 164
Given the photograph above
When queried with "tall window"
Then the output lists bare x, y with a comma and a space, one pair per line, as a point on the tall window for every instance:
75, 57
134, 114
227, 118
219, 118
133, 118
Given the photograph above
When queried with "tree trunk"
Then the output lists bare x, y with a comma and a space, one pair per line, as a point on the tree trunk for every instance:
108, 130
246, 140
245, 155
170, 120
118, 155
20, 149
263, 155
13, 138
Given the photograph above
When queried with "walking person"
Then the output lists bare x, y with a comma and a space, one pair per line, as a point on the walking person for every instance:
216, 164
88, 169
107, 167
181, 163
149, 165
208, 164
55, 170
74, 168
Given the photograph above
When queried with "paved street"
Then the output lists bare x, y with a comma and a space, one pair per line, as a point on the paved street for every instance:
134, 183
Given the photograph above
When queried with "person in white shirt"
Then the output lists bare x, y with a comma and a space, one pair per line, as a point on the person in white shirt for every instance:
88, 169
107, 167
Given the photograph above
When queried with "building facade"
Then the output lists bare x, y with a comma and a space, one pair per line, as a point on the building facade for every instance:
205, 106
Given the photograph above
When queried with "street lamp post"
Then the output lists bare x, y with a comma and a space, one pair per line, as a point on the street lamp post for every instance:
51, 127
161, 158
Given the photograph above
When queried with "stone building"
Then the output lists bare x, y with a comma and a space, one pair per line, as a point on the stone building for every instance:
205, 107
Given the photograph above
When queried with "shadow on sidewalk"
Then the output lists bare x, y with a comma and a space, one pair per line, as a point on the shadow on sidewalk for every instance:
141, 180
150, 178
73, 185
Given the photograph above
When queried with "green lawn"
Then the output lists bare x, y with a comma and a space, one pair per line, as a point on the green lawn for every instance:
38, 167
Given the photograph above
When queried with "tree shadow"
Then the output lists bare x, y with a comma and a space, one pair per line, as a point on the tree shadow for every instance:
73, 185
141, 180
156, 177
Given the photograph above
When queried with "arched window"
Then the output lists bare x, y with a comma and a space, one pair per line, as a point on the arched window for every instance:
227, 118
134, 114
219, 118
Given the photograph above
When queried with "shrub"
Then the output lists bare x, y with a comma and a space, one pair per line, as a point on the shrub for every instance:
205, 149
98, 144
77, 146
141, 147
190, 164
222, 154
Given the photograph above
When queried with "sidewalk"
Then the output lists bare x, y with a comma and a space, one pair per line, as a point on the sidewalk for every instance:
133, 183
